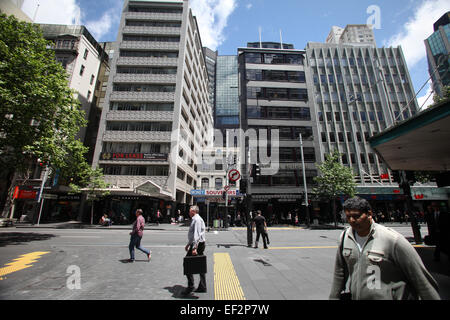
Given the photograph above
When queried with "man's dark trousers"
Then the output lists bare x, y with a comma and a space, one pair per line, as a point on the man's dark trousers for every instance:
190, 277
264, 236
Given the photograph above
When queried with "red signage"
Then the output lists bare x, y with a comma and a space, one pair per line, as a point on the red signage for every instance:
384, 176
396, 191
133, 156
234, 175
418, 196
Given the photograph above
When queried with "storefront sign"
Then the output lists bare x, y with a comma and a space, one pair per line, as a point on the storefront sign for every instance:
212, 193
133, 156
25, 193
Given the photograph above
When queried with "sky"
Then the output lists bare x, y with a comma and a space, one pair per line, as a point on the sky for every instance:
226, 25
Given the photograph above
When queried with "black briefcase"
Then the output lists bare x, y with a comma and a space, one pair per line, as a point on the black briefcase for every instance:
194, 264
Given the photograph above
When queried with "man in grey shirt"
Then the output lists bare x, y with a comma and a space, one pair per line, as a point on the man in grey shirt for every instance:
195, 246
378, 262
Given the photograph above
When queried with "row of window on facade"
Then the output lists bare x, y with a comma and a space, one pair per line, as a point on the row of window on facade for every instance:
340, 136
351, 61
277, 93
354, 78
274, 58
363, 116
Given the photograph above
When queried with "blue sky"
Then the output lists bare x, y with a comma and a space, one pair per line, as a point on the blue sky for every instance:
226, 25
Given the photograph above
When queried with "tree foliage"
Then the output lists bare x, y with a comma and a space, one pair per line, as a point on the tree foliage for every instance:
39, 115
335, 179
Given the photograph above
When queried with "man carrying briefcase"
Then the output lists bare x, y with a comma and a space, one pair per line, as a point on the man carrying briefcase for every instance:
195, 246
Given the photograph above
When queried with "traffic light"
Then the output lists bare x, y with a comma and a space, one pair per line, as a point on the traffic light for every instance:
243, 187
256, 170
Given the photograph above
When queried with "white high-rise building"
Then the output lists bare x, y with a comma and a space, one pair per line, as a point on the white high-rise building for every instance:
352, 34
156, 114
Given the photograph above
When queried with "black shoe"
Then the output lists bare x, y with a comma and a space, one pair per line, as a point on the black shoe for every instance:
199, 289
266, 248
187, 291
130, 260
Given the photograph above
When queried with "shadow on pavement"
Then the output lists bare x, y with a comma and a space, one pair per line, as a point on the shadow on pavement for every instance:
176, 292
16, 238
226, 245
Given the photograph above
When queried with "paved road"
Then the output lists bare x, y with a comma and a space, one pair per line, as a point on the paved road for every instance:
298, 265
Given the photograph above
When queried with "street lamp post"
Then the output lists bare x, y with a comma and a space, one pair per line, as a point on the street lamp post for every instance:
304, 183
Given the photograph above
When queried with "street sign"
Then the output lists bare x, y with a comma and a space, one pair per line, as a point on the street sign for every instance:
226, 188
234, 175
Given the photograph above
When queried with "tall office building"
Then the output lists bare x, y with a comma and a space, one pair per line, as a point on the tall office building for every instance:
211, 61
438, 50
358, 91
274, 96
226, 107
352, 33
14, 7
156, 114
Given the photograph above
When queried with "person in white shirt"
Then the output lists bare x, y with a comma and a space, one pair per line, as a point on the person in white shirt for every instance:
195, 246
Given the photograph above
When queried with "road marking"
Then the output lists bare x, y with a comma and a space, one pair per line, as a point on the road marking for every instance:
226, 282
23, 262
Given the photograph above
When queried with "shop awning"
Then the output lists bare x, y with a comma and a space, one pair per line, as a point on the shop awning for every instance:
420, 143
151, 189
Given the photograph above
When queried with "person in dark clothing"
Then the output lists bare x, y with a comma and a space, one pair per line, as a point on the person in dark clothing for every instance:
259, 222
437, 227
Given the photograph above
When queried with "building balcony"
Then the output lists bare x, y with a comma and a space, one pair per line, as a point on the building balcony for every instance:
139, 116
150, 45
145, 78
137, 136
144, 61
142, 96
151, 30
154, 16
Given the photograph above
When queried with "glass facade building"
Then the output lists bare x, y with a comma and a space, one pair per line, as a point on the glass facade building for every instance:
438, 49
227, 92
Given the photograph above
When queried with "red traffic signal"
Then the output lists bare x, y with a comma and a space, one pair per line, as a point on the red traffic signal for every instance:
384, 176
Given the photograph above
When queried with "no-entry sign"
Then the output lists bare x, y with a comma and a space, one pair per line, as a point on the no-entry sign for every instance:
234, 175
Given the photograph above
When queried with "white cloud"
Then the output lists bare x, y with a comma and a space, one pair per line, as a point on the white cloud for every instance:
249, 6
417, 29
212, 17
102, 26
53, 11
427, 98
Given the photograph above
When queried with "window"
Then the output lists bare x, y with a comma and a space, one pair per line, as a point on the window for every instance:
218, 183
92, 79
324, 136
86, 51
205, 183
82, 70
89, 94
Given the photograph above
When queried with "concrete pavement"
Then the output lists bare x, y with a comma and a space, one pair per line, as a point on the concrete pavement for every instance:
297, 266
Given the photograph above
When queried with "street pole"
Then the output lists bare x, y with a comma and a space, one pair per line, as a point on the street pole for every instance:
40, 198
207, 213
249, 203
304, 184
409, 207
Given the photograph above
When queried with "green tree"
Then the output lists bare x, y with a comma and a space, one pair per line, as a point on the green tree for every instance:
91, 183
334, 180
39, 115
438, 99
